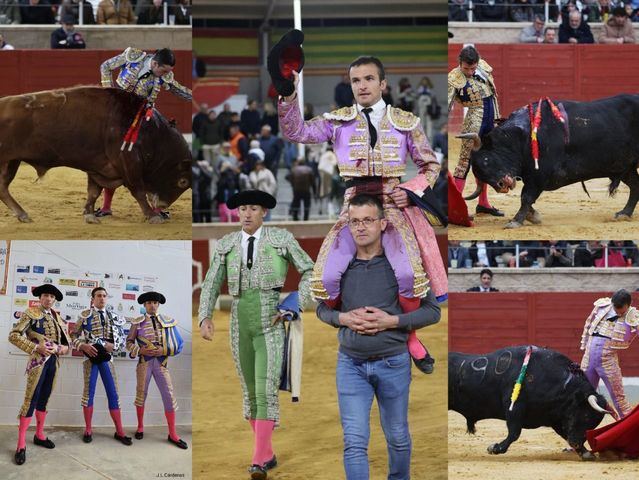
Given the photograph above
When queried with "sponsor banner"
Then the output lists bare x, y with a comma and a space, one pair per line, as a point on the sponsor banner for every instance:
132, 287
76, 306
34, 303
115, 286
54, 271
28, 279
69, 282
128, 296
87, 283
147, 288
133, 278
71, 293
21, 289
150, 279
23, 268
38, 269
20, 302
47, 280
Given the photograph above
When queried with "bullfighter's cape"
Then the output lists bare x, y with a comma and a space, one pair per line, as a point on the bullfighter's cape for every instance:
621, 436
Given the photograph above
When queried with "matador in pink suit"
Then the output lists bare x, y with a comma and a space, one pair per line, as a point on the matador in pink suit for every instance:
372, 142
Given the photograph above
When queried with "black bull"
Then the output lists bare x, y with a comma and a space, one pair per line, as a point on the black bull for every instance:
83, 128
555, 393
600, 142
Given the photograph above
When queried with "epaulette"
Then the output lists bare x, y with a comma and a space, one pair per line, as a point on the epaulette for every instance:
278, 237
34, 313
85, 313
168, 77
344, 114
167, 321
137, 320
602, 302
456, 78
401, 119
133, 54
484, 66
225, 244
632, 317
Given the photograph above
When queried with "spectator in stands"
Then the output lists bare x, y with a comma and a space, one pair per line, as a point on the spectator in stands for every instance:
72, 7
483, 254
4, 45
633, 14
227, 186
533, 33
457, 10
36, 12
199, 66
225, 156
440, 140
225, 117
182, 12
9, 12
529, 253
550, 35
202, 176
327, 169
491, 11
272, 148
522, 11
153, 14
622, 253
250, 120
344, 93
617, 29
406, 96
270, 118
557, 254
458, 256
576, 30
302, 180
583, 255
486, 281
600, 11
262, 178
238, 141
211, 136
198, 120
66, 37
118, 12
574, 5
387, 95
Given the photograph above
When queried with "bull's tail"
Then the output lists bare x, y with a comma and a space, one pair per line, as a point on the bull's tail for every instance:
470, 426
583, 185
614, 184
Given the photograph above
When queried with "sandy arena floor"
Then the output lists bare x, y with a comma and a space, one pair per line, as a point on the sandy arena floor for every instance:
566, 213
537, 455
55, 205
308, 443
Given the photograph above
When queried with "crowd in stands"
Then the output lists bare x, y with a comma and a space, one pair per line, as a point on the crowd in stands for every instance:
100, 12
543, 254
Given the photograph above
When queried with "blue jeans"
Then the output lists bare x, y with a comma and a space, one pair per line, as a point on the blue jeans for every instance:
358, 381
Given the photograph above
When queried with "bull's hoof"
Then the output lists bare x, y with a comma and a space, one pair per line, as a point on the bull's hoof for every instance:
91, 218
24, 218
157, 219
534, 217
493, 449
513, 224
622, 217
588, 456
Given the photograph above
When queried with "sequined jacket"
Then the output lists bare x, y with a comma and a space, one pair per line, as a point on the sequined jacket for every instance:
35, 327
89, 329
400, 135
470, 92
621, 331
163, 334
277, 248
136, 76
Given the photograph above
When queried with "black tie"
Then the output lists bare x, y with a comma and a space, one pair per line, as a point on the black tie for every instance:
371, 127
478, 77
613, 318
101, 317
153, 319
249, 256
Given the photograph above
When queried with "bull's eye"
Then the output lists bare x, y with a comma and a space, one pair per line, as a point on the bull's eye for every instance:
183, 182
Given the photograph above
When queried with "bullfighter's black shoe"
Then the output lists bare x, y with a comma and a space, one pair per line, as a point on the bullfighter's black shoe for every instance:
122, 438
490, 211
179, 443
46, 443
258, 472
87, 438
102, 213
21, 456
426, 364
139, 435
271, 464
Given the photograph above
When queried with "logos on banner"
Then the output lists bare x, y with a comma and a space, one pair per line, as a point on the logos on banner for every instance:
34, 303
133, 278
28, 279
147, 288
87, 283
23, 268
115, 286
67, 281
71, 293
149, 279
128, 296
55, 271
38, 269
21, 289
132, 288
75, 306
20, 302
48, 280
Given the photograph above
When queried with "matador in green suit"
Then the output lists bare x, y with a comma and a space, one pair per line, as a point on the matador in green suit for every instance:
254, 262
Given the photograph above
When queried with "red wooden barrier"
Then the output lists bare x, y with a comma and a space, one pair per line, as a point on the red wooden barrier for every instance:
25, 71
523, 73
483, 322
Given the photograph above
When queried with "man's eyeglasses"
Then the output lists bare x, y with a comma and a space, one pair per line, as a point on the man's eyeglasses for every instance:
367, 222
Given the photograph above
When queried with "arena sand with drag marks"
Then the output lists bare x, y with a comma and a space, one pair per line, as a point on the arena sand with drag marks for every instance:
56, 202
537, 455
566, 213
308, 444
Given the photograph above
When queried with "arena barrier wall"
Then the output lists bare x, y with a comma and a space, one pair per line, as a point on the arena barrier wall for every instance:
524, 73
483, 322
26, 71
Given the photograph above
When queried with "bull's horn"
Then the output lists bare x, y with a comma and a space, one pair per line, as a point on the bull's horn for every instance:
474, 137
592, 400
477, 191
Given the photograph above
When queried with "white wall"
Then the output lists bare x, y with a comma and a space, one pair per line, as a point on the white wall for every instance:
170, 261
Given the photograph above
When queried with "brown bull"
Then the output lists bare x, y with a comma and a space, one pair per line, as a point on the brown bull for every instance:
83, 128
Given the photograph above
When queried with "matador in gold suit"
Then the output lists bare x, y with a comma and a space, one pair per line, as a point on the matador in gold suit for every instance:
471, 84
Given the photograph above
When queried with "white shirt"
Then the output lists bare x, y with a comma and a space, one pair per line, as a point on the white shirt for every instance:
482, 254
376, 115
245, 243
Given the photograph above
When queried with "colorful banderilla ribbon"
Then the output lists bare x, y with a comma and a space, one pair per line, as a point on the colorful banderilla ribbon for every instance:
132, 133
520, 379
535, 121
